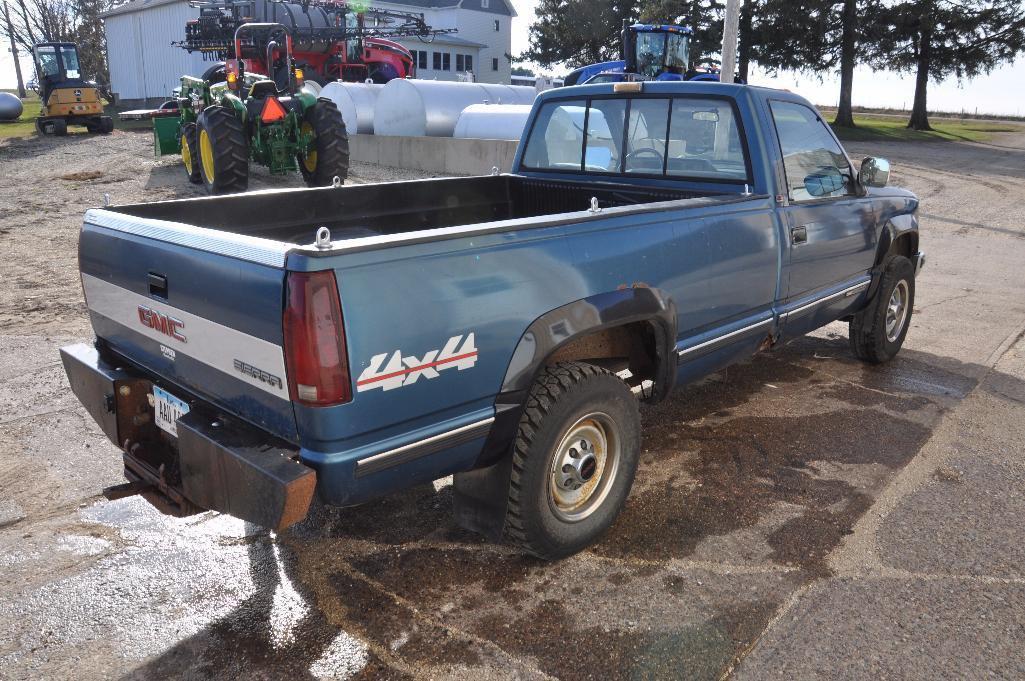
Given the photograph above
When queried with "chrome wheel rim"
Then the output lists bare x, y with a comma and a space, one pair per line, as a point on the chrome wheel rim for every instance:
584, 466
897, 311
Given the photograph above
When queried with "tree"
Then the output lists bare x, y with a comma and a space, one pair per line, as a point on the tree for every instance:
818, 36
578, 32
940, 38
522, 71
74, 21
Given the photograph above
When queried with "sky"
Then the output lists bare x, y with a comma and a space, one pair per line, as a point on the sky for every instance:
1000, 92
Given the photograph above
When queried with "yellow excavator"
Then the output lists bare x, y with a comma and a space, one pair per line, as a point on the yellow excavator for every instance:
66, 98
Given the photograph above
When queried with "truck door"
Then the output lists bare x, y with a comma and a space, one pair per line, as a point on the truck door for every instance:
831, 230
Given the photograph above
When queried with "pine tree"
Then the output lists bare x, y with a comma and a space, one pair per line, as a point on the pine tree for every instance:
941, 38
578, 32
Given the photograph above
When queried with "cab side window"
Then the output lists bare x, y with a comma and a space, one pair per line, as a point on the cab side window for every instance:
815, 165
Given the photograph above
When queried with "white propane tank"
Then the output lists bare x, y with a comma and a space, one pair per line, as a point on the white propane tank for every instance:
10, 107
356, 102
431, 107
492, 121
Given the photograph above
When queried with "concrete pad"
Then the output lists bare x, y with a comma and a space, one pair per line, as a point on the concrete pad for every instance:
896, 629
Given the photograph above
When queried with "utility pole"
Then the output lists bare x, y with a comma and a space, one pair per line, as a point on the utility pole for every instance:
14, 53
730, 31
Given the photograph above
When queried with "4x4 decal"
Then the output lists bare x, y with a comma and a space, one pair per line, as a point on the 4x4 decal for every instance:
459, 352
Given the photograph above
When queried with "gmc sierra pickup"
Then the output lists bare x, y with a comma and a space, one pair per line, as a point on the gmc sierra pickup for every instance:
254, 350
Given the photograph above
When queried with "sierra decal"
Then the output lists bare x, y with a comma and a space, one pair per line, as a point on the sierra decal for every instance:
398, 371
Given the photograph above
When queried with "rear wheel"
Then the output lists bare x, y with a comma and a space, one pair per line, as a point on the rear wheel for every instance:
223, 156
190, 153
574, 459
106, 125
59, 127
877, 332
328, 156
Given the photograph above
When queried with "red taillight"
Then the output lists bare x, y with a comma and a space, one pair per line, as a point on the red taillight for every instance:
315, 356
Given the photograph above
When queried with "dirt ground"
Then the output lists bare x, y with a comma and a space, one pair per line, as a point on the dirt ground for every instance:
799, 516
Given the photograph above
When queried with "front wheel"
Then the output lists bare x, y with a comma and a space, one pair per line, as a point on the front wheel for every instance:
574, 460
878, 332
328, 156
190, 152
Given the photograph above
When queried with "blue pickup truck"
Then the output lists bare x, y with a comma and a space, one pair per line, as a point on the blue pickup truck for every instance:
253, 351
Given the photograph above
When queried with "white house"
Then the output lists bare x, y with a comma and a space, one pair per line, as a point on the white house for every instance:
481, 45
145, 67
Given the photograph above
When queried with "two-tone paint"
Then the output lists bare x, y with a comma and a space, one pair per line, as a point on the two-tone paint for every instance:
715, 279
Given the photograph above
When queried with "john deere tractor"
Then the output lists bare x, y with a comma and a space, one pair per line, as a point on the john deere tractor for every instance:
67, 99
227, 118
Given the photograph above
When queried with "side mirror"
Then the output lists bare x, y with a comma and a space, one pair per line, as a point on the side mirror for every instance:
875, 172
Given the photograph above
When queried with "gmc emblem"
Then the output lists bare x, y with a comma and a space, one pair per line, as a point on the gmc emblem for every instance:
167, 325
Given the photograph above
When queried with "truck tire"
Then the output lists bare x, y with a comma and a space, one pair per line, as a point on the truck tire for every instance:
877, 332
329, 157
190, 152
223, 156
574, 460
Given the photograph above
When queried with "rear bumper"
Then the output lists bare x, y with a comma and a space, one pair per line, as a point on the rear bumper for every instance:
216, 463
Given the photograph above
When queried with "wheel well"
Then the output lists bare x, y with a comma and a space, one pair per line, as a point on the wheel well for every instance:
630, 346
905, 244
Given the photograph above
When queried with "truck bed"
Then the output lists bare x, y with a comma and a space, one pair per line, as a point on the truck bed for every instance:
397, 207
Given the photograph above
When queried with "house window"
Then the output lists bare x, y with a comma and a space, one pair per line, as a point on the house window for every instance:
421, 58
446, 62
498, 26
436, 63
484, 4
464, 62
494, 64
469, 62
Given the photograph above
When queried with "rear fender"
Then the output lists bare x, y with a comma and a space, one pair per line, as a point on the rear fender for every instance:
481, 495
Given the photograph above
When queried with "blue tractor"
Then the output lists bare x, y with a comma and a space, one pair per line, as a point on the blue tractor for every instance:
649, 52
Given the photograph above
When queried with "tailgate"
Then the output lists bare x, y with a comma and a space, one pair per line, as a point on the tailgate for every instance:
199, 308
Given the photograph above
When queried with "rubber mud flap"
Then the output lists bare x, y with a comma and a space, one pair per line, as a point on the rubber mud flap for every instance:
233, 468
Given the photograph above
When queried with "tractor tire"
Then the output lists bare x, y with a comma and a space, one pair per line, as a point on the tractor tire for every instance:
574, 460
40, 128
60, 127
223, 153
329, 157
190, 153
106, 125
215, 74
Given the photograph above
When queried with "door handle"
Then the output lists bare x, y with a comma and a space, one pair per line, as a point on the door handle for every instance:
799, 235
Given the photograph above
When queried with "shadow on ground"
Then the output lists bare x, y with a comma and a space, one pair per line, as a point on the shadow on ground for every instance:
747, 481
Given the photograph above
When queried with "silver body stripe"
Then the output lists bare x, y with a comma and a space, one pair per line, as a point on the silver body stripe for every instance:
718, 339
250, 248
426, 441
849, 291
208, 342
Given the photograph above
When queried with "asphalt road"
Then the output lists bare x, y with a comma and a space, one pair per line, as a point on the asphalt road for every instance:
799, 516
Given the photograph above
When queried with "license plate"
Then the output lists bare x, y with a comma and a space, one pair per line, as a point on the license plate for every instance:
167, 409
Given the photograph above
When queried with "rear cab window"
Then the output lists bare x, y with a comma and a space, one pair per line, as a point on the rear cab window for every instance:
675, 137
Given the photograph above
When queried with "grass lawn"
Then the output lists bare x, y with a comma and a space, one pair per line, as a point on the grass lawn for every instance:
894, 128
26, 125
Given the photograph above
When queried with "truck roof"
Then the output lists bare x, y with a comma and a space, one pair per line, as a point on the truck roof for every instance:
732, 90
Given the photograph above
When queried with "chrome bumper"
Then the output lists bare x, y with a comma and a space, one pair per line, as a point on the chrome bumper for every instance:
919, 260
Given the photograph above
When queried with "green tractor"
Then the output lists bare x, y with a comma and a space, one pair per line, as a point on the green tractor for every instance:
227, 118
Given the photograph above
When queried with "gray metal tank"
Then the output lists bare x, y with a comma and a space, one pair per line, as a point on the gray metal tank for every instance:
432, 107
10, 107
356, 101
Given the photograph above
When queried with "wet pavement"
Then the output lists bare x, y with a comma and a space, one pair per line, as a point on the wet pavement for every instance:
796, 516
